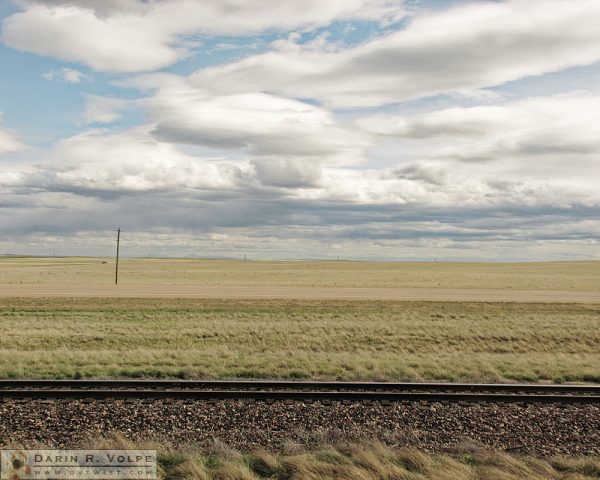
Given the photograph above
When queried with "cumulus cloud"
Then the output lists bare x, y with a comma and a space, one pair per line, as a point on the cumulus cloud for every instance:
96, 162
167, 224
263, 123
8, 140
139, 36
97, 179
538, 152
260, 155
99, 109
457, 239
288, 140
69, 75
287, 172
462, 49
580, 108
78, 35
100, 7
546, 136
449, 188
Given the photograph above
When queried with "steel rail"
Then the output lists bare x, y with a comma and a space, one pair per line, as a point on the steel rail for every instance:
300, 385
288, 390
306, 395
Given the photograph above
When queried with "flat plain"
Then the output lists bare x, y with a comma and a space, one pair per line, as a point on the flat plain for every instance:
506, 322
85, 271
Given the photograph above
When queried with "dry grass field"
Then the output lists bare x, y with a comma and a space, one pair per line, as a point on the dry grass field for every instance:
376, 463
578, 276
369, 340
367, 461
305, 337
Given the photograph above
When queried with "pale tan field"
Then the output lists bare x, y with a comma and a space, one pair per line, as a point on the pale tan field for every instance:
564, 276
300, 293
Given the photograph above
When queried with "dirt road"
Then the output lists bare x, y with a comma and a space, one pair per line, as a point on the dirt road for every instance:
312, 293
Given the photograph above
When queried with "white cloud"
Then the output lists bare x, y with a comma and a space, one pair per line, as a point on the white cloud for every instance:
265, 124
287, 140
462, 49
547, 136
132, 161
290, 174
289, 243
97, 179
143, 36
8, 140
100, 163
578, 108
538, 152
448, 188
68, 75
99, 109
287, 172
100, 7
123, 44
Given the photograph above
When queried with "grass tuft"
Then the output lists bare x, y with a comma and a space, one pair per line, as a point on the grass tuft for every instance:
374, 462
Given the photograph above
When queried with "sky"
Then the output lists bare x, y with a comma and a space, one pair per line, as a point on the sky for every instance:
301, 129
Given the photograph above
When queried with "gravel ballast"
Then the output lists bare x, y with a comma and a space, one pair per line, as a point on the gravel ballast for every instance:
538, 429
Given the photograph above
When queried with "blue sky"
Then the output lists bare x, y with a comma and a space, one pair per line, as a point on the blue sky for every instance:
366, 129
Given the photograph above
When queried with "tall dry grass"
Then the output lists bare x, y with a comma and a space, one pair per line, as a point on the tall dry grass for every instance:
367, 461
72, 338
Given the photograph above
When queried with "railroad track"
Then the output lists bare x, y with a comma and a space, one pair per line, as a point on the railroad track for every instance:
292, 390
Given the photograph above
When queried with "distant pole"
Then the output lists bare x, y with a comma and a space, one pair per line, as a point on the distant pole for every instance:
117, 264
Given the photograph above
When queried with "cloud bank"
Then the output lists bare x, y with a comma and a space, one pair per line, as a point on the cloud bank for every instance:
462, 49
135, 36
440, 132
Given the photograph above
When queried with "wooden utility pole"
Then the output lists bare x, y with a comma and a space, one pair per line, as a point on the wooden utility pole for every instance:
117, 264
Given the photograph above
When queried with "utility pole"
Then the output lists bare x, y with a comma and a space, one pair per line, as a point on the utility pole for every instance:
117, 264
